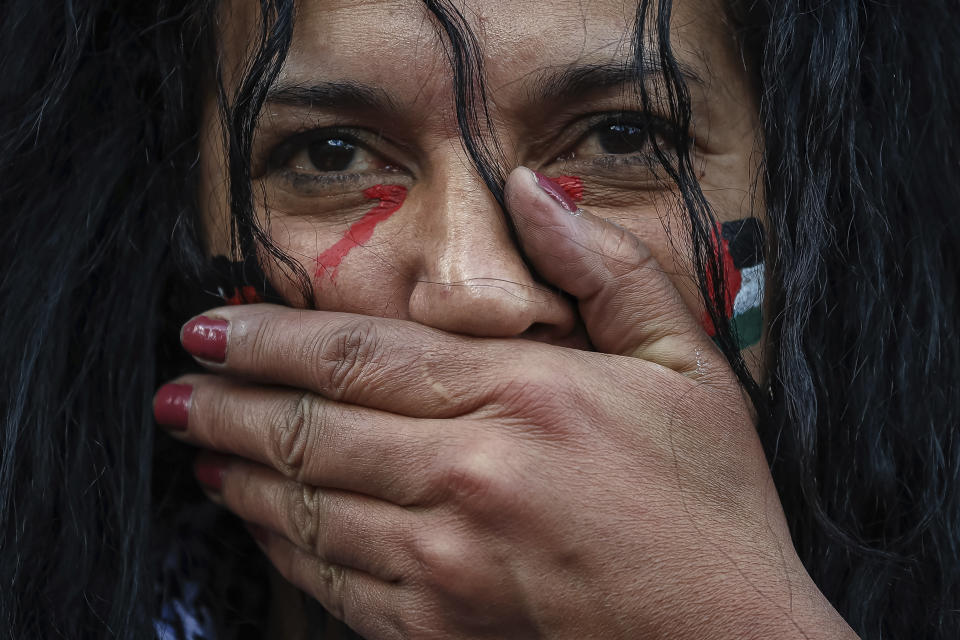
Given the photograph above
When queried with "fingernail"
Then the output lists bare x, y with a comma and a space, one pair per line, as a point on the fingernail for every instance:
557, 192
171, 406
209, 469
205, 338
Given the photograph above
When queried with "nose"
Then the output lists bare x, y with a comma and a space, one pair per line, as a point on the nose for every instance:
473, 279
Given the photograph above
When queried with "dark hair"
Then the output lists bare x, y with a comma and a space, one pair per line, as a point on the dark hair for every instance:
97, 130
860, 104
99, 124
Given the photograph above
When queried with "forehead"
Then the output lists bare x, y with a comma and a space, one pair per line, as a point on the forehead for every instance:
397, 44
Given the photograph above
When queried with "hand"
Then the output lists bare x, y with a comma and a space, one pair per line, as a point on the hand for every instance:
424, 484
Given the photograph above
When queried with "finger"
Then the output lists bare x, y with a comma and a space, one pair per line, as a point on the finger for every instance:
368, 605
628, 304
306, 437
346, 529
393, 365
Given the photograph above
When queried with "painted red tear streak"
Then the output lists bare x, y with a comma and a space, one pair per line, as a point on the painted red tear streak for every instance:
572, 185
391, 198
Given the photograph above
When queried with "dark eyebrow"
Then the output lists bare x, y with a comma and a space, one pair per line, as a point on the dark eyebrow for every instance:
546, 86
569, 82
342, 95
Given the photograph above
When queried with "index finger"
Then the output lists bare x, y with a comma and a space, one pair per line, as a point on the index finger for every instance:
393, 365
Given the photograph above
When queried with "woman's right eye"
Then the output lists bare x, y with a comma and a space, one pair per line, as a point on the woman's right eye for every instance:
325, 163
331, 156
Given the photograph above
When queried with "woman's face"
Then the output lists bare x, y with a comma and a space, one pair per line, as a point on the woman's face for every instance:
360, 162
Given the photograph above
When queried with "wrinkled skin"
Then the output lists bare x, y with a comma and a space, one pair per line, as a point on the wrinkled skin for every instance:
409, 462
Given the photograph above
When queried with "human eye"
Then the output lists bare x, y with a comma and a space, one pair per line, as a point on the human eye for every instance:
618, 146
320, 161
615, 139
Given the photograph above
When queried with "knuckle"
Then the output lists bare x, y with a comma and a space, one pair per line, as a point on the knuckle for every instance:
346, 355
538, 401
335, 584
442, 557
329, 587
453, 572
304, 516
260, 344
294, 432
475, 477
542, 400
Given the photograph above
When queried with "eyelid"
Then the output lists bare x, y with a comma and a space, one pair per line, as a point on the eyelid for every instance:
590, 124
280, 154
658, 124
285, 143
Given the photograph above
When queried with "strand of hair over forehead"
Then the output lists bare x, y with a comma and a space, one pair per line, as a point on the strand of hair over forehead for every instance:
241, 112
472, 107
677, 163
481, 142
242, 109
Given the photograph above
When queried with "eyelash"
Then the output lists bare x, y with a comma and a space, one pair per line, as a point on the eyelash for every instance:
596, 123
654, 124
297, 178
296, 141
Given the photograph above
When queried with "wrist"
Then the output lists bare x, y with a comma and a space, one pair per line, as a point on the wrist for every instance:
789, 606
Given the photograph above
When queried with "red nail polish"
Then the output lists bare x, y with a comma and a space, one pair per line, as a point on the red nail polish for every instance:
171, 405
205, 338
556, 192
209, 469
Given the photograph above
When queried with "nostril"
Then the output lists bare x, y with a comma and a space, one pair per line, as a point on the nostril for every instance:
575, 338
508, 309
540, 332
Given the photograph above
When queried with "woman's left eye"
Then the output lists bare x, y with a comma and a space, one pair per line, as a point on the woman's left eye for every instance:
613, 139
618, 139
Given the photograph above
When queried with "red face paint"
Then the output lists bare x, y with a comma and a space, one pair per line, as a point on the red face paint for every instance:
739, 245
732, 281
244, 295
391, 198
572, 185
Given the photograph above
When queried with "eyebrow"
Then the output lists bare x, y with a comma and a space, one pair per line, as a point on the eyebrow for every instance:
581, 79
339, 94
546, 86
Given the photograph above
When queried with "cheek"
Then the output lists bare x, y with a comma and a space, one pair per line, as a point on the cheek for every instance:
389, 199
738, 246
356, 257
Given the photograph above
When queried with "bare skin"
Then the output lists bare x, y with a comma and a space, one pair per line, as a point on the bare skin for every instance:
446, 259
404, 458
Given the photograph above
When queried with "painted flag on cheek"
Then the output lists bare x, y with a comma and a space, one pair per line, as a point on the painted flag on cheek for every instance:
741, 251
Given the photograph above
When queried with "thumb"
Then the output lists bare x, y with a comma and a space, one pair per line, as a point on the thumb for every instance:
628, 304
